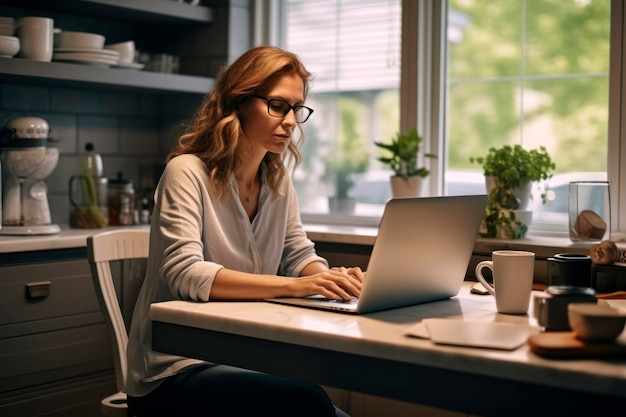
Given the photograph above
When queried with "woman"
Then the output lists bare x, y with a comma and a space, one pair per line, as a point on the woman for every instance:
226, 226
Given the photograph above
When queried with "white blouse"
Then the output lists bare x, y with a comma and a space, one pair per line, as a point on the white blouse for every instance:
193, 235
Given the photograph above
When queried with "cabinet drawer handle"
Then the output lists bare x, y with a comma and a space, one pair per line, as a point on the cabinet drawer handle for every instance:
38, 289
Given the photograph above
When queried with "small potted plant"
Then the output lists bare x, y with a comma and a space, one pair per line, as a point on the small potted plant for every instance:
404, 149
345, 162
510, 172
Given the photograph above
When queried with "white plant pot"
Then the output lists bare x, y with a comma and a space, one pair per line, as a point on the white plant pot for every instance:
405, 187
523, 216
341, 205
523, 194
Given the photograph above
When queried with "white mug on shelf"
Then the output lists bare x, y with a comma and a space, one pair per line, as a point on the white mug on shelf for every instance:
36, 37
513, 273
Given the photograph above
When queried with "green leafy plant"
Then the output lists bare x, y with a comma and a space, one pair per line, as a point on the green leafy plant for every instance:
404, 149
512, 168
344, 175
348, 157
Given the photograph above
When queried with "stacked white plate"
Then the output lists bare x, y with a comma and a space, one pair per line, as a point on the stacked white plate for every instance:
129, 65
97, 57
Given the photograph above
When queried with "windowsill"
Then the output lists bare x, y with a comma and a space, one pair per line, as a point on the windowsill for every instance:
542, 246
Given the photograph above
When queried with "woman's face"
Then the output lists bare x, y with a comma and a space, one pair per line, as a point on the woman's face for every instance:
269, 133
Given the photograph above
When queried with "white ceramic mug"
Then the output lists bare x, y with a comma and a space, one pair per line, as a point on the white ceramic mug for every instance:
36, 37
513, 273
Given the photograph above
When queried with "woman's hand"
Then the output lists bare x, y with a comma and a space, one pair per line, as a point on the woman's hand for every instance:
335, 283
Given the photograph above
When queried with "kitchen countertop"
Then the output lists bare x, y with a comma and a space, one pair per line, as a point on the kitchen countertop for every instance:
376, 355
76, 238
68, 238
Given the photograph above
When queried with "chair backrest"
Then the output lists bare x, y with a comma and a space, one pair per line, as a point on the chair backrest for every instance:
103, 249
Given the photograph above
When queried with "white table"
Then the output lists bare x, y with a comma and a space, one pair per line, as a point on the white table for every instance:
373, 354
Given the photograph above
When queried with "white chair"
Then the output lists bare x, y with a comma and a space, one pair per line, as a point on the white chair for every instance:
103, 249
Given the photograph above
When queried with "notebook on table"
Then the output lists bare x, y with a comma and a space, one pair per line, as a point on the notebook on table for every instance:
421, 254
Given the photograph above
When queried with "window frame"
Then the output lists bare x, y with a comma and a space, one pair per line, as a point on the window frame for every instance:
422, 94
616, 162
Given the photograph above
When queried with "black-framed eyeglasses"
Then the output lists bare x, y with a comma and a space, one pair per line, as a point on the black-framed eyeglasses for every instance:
279, 108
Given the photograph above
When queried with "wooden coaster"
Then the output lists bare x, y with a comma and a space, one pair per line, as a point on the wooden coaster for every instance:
565, 345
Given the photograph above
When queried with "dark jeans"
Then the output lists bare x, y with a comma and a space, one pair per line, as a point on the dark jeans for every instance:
222, 390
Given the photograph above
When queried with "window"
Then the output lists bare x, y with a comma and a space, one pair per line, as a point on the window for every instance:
540, 79
355, 96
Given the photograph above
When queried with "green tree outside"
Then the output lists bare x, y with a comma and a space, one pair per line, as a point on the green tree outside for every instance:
554, 55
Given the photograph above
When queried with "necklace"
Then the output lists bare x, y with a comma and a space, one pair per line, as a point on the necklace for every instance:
244, 198
250, 191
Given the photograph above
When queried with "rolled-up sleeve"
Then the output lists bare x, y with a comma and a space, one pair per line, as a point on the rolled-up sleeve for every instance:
181, 204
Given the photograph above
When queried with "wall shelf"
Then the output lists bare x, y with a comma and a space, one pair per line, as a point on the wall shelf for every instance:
164, 13
153, 11
24, 71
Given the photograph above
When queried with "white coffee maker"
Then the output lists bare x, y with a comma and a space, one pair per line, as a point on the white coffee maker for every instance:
26, 161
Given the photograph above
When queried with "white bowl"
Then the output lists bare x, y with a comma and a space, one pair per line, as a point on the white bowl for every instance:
78, 40
9, 46
597, 322
126, 50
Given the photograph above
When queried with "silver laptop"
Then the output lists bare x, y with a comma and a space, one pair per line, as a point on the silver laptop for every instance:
421, 254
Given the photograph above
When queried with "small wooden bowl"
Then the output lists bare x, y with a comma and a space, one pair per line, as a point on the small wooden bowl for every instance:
595, 322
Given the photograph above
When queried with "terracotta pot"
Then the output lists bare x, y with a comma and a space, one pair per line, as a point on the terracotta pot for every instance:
405, 187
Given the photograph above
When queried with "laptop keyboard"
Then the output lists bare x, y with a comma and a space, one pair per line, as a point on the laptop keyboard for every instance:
353, 300
320, 297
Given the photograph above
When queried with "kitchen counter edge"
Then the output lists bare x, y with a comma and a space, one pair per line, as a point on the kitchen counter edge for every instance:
67, 239
77, 238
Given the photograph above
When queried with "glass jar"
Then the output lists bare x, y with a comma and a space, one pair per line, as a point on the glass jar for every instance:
121, 201
87, 194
